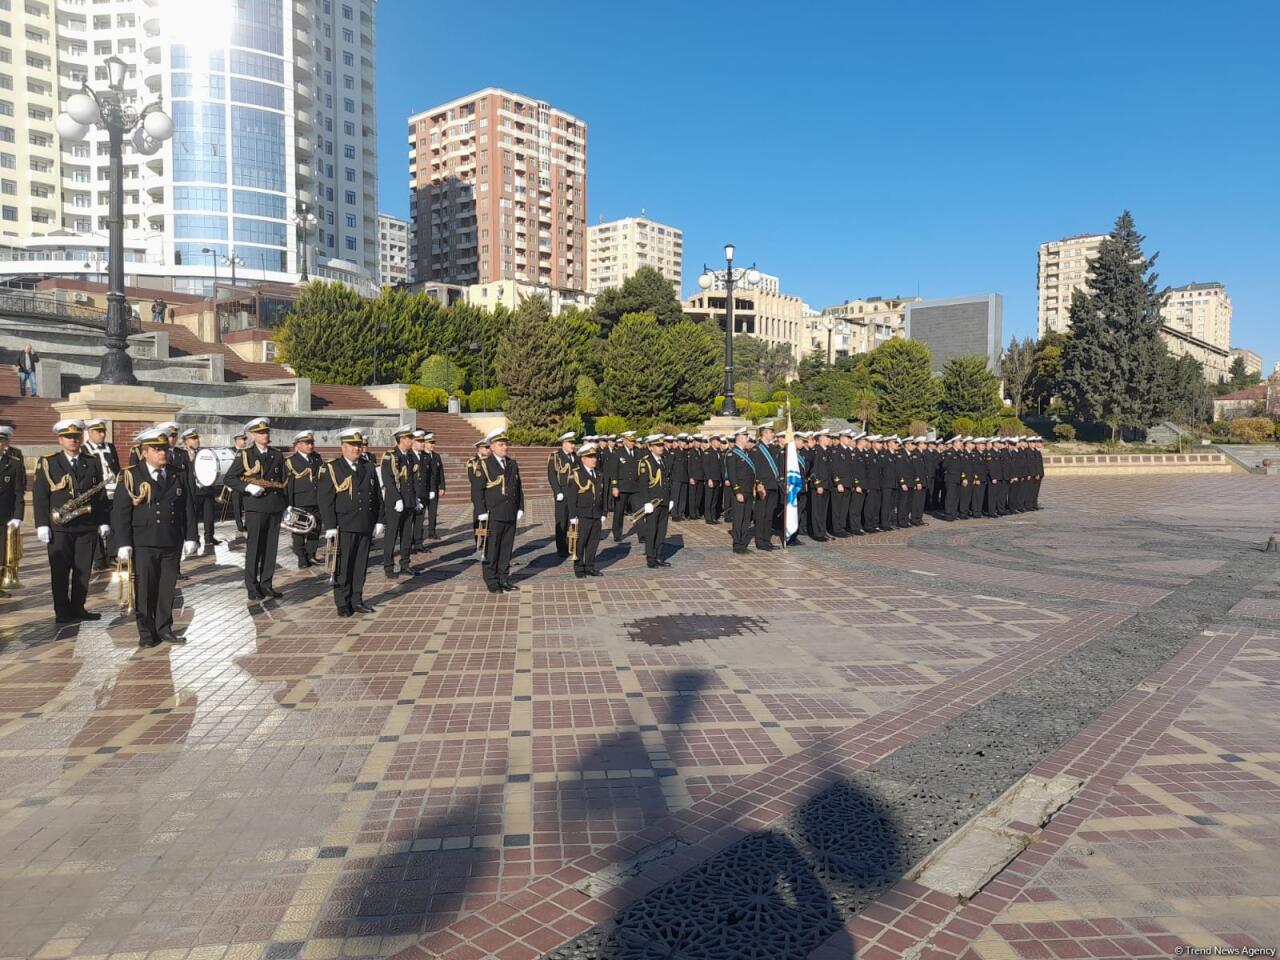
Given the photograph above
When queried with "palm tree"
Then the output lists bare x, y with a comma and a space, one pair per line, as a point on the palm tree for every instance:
865, 406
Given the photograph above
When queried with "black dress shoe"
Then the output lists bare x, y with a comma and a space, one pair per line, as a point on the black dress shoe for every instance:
741, 550
362, 608
344, 613
168, 636
213, 543
147, 642
86, 615
580, 574
409, 572
389, 574
304, 562
662, 563
493, 588
66, 620
767, 546
508, 586
650, 562
271, 592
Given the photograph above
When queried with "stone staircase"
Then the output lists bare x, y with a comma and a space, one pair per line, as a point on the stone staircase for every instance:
31, 417
1250, 455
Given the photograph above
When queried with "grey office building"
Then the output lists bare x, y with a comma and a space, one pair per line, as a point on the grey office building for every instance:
958, 327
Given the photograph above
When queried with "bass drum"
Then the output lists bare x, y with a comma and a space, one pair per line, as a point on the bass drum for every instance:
211, 465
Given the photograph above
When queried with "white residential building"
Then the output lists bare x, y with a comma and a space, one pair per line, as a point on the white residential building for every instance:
393, 250
618, 248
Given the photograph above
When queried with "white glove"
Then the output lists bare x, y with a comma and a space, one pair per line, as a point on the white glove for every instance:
124, 553
111, 488
189, 548
559, 497
399, 506
671, 504
104, 530
253, 490
483, 517
330, 534
419, 507
573, 521
379, 529
519, 515
431, 495
43, 535
648, 508
15, 523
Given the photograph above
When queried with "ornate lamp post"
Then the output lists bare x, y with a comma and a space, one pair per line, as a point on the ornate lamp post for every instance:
149, 128
233, 261
742, 277
305, 220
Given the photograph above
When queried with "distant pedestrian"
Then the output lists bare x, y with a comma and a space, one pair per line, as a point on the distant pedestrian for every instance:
27, 361
157, 310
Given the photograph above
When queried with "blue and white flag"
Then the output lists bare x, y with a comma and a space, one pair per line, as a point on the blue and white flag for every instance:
791, 517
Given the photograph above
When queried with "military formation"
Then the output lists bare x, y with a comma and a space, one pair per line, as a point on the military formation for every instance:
151, 512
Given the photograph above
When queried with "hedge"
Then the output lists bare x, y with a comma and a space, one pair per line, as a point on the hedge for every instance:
427, 398
493, 398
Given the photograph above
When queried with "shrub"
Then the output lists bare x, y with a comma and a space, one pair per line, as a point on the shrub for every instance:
1012, 427
533, 436
574, 422
1064, 431
1252, 429
806, 417
427, 398
494, 398
780, 396
757, 412
689, 414
611, 424
918, 428
964, 427
587, 399
440, 371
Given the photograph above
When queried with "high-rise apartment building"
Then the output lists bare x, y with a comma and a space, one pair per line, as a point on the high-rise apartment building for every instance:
1202, 311
1252, 361
499, 192
862, 324
1062, 268
393, 250
274, 106
618, 248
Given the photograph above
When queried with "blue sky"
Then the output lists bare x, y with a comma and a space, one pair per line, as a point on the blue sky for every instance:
860, 149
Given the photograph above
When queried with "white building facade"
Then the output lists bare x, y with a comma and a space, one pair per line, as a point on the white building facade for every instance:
618, 248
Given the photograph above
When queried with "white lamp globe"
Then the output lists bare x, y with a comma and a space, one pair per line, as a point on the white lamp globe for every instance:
70, 130
82, 108
753, 276
144, 144
704, 281
158, 126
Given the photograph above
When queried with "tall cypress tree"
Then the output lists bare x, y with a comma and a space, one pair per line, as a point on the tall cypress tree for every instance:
535, 367
901, 375
1111, 363
969, 389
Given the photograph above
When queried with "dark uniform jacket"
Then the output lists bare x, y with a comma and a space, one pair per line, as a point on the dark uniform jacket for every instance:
13, 487
742, 472
54, 485
559, 466
350, 500
498, 491
622, 469
713, 465
107, 452
954, 468
146, 514
420, 468
304, 476
396, 471
655, 478
435, 467
679, 466
251, 466
770, 468
820, 472
697, 464
585, 495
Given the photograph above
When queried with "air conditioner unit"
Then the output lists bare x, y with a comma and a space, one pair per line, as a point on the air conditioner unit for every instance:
81, 297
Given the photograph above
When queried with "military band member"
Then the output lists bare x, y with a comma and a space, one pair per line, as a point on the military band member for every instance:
713, 469
13, 491
96, 445
153, 521
421, 487
586, 510
350, 499
697, 480
206, 498
500, 503
559, 466
59, 478
264, 505
820, 486
303, 468
437, 487
399, 504
917, 474
239, 441
475, 480
653, 476
954, 477
678, 457
623, 485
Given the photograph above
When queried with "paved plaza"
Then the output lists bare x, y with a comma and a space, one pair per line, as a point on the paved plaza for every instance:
735, 756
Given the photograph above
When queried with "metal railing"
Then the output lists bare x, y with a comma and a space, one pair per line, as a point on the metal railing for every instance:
40, 305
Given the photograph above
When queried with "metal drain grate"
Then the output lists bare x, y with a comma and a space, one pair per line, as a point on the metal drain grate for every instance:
671, 631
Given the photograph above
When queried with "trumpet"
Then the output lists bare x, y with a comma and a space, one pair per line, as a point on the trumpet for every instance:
639, 514
124, 580
573, 542
331, 559
12, 557
482, 534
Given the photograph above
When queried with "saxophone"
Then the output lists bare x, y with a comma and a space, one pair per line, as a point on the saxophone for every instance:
78, 506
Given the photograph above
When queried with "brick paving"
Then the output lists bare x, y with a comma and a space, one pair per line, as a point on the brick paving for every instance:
437, 779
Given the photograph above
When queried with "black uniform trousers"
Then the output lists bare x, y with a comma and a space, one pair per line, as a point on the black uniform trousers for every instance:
802, 513
977, 493
622, 507
70, 564
711, 503
888, 507
839, 511
496, 567
653, 531
693, 510
741, 514
962, 503
433, 507
260, 551
765, 511
399, 527
101, 559
917, 504
418, 526
904, 506
562, 527
857, 503
819, 511
871, 511
588, 544
208, 506
350, 570
301, 541
237, 507
155, 578
951, 500
680, 493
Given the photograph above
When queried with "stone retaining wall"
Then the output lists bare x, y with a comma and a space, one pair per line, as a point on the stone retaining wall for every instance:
1130, 464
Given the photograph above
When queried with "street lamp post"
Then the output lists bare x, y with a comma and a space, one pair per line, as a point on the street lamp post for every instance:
745, 277
147, 129
233, 261
474, 346
305, 220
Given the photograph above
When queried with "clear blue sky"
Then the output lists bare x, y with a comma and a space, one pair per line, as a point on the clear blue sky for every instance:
860, 149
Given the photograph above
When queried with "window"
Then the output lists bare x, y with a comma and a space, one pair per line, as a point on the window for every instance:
257, 158
348, 36
348, 128
260, 231
8, 161
351, 220
350, 197
348, 59
258, 93
257, 65
346, 11
202, 86
348, 82
351, 243
199, 142
258, 204
348, 105
259, 25
200, 198
349, 151
9, 213
193, 225
9, 187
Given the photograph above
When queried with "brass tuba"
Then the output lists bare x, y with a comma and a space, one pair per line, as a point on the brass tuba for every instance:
12, 557
299, 521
